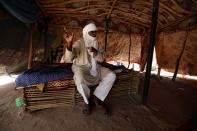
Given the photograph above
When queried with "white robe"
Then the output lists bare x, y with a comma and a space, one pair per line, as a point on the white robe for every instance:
81, 67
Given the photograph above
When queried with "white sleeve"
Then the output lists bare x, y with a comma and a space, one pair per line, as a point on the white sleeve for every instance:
67, 57
70, 55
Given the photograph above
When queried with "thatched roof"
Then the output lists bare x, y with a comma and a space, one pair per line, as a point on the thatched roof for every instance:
123, 14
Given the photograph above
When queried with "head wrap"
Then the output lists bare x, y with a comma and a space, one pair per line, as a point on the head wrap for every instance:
91, 41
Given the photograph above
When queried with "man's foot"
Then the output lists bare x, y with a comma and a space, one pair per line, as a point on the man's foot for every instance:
86, 109
91, 101
106, 109
94, 100
103, 105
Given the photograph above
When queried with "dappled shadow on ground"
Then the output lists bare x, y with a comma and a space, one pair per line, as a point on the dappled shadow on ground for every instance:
126, 116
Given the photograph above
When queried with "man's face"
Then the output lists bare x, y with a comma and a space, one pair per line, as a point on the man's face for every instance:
92, 33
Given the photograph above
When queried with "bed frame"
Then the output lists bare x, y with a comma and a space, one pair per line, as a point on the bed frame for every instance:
63, 92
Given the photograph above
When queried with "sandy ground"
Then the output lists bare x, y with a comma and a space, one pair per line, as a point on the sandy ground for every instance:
166, 112
173, 102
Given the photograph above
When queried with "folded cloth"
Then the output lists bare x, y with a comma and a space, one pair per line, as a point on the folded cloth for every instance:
42, 75
115, 68
40, 86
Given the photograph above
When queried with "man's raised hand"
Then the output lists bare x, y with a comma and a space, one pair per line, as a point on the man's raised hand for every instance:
68, 38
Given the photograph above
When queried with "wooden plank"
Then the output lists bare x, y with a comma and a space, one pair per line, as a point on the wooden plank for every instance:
178, 7
47, 96
111, 9
176, 23
39, 102
130, 21
30, 47
36, 107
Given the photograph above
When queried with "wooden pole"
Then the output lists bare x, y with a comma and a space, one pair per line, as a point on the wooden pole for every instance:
129, 57
151, 49
111, 9
179, 58
106, 32
159, 71
45, 45
30, 48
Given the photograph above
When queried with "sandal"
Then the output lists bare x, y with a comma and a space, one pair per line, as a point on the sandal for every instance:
86, 109
106, 109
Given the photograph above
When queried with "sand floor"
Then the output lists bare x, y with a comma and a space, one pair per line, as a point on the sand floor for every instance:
127, 115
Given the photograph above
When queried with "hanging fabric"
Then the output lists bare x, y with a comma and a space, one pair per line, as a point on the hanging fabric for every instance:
24, 10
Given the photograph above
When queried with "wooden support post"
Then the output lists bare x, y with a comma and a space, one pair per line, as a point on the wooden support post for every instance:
129, 57
45, 38
159, 71
45, 45
30, 48
151, 49
179, 58
133, 66
106, 32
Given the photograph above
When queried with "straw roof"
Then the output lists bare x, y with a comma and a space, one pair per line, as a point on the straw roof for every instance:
123, 14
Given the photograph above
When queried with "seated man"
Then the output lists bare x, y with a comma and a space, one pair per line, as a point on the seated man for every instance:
84, 54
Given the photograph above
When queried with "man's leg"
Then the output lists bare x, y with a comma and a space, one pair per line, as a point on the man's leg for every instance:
82, 88
85, 93
107, 81
102, 90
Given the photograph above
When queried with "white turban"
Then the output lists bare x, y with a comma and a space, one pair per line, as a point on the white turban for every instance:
91, 42
89, 27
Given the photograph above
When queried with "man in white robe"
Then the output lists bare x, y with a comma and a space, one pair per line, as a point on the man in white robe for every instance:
84, 54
